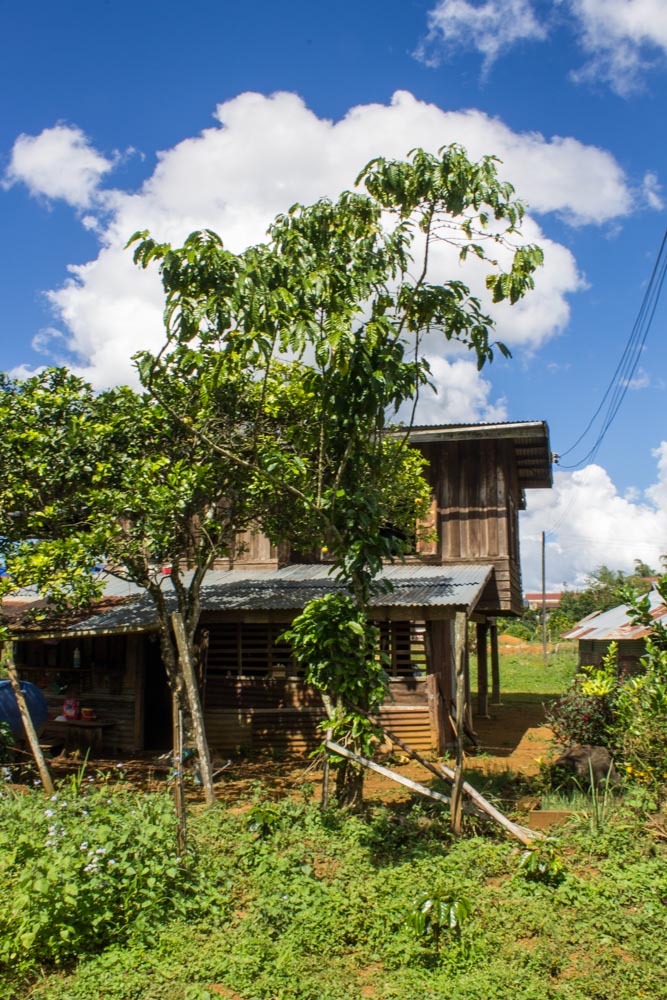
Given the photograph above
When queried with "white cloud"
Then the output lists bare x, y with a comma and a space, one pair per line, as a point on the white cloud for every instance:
590, 524
652, 191
641, 380
263, 154
491, 28
622, 38
59, 163
463, 395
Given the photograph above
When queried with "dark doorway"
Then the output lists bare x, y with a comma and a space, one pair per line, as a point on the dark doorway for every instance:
157, 699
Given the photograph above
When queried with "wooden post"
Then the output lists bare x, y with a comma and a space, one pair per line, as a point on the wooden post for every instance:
194, 702
460, 643
437, 714
178, 787
325, 773
482, 671
31, 735
495, 666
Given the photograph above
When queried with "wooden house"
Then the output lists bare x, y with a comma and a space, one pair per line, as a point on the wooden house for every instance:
596, 632
252, 692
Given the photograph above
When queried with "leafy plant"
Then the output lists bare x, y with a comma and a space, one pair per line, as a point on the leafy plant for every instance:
437, 913
84, 869
6, 743
542, 862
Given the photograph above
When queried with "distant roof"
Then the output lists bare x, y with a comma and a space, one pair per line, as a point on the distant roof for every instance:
531, 445
607, 626
290, 589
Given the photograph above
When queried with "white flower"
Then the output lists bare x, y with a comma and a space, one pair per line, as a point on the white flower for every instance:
48, 812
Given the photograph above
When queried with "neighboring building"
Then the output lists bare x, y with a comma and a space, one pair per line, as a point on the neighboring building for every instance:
596, 632
252, 692
534, 601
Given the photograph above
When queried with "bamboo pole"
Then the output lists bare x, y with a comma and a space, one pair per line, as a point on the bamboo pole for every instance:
385, 771
522, 833
31, 734
188, 671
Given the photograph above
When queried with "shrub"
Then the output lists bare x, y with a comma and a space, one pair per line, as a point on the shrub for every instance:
640, 733
83, 870
576, 717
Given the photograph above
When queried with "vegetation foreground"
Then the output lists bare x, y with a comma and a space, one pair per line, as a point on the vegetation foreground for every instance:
276, 899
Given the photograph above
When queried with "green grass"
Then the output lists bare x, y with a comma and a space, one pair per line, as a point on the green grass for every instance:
317, 908
279, 901
525, 678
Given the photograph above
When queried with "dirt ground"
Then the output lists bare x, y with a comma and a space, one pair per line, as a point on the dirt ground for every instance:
511, 738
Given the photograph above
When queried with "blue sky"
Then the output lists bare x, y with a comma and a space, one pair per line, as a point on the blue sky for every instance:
118, 116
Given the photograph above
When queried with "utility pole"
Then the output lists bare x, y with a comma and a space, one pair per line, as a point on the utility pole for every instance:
544, 601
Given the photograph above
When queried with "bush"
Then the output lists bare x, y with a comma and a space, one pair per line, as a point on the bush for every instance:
641, 728
83, 870
582, 718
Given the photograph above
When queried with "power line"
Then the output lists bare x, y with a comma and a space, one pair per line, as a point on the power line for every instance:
627, 365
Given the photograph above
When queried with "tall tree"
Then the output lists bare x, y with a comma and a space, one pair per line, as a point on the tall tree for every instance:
110, 482
346, 287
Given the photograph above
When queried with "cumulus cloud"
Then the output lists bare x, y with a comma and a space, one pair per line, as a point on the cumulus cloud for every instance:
590, 524
621, 38
263, 154
463, 396
59, 163
491, 28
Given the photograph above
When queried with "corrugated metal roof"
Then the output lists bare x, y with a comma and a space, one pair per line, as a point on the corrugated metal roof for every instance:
290, 589
607, 626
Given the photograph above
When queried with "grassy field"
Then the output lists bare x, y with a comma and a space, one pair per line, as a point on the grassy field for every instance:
276, 900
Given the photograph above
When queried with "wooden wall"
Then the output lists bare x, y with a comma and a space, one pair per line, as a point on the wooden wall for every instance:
477, 496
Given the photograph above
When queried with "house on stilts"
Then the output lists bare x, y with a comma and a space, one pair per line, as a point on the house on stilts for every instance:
253, 694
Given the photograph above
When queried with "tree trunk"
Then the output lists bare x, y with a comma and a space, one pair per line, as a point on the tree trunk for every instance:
178, 786
31, 735
194, 704
349, 785
460, 638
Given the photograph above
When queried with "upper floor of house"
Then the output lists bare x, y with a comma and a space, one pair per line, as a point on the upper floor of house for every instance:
479, 475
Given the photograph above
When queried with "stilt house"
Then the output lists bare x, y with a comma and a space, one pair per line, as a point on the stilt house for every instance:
252, 691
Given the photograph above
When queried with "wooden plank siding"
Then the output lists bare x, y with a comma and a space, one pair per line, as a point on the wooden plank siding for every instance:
477, 497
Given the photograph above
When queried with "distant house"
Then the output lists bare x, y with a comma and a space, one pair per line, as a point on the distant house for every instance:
252, 691
597, 631
534, 600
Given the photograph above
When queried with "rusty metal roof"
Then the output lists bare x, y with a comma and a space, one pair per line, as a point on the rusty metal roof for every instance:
289, 589
615, 625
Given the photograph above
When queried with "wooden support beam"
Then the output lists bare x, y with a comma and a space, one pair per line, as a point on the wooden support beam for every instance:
495, 665
460, 645
482, 671
385, 771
